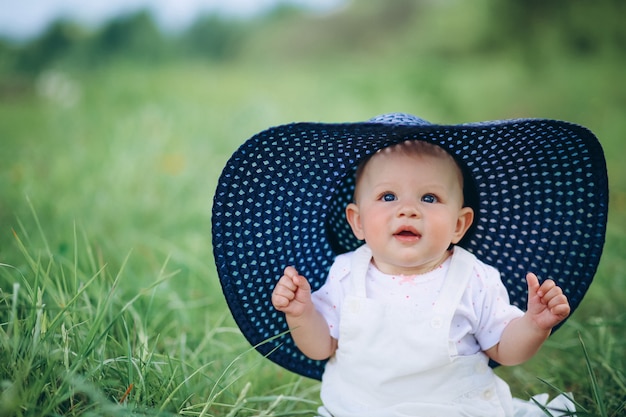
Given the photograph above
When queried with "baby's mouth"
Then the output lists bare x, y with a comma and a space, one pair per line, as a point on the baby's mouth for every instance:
407, 233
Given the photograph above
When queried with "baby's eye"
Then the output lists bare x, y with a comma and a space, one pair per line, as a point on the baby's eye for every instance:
388, 197
429, 198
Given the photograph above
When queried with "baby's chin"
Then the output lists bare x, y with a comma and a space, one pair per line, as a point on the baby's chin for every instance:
404, 268
409, 264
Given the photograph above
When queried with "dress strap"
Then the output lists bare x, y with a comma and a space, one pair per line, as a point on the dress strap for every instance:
359, 264
457, 278
454, 285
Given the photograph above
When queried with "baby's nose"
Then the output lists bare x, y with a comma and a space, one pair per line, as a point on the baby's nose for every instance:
409, 210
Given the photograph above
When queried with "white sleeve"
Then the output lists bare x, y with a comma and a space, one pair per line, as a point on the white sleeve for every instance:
496, 311
329, 297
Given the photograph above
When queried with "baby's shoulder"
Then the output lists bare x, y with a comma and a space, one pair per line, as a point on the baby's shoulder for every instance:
341, 267
337, 278
485, 273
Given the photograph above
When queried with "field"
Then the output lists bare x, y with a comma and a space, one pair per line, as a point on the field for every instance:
109, 299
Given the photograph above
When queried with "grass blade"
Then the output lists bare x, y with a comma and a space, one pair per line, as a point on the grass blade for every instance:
597, 392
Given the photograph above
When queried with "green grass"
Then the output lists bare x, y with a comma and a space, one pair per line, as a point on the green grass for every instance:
109, 300
79, 338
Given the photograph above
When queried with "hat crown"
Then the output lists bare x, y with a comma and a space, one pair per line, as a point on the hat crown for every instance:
399, 119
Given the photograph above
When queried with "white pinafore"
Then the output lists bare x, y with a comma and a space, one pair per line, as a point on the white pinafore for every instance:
392, 361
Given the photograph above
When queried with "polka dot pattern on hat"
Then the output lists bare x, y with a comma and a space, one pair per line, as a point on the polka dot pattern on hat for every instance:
542, 196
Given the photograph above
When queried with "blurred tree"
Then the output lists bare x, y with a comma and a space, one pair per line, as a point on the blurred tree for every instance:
135, 37
214, 38
578, 26
537, 30
7, 56
60, 39
362, 28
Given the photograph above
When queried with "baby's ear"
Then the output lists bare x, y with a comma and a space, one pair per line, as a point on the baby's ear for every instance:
463, 223
354, 219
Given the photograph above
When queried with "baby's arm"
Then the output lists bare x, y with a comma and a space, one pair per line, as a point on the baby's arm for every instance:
309, 330
522, 337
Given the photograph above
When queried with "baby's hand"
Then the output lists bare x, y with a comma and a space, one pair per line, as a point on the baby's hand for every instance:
547, 305
292, 294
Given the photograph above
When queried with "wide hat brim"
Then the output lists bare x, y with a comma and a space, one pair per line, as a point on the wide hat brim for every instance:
541, 187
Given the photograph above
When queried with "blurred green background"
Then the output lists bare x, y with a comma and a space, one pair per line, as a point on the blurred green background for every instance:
124, 128
120, 131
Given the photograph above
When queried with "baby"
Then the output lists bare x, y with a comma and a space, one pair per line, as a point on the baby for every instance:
409, 321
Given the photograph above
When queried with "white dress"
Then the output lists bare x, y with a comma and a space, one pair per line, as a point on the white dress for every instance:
395, 360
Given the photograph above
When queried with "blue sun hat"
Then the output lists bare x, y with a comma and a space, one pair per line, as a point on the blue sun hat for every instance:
538, 187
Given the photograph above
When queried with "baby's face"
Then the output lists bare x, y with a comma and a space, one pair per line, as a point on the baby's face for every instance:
409, 209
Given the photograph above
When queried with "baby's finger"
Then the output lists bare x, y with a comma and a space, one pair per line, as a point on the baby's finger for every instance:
288, 281
283, 294
302, 283
557, 300
533, 284
279, 301
291, 272
285, 288
548, 289
298, 280
560, 308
